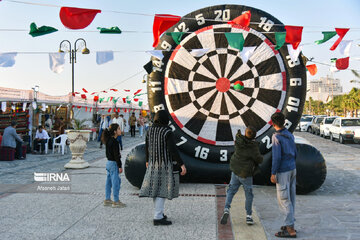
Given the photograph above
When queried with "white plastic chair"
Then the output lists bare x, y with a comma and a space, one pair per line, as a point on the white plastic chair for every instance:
46, 145
62, 144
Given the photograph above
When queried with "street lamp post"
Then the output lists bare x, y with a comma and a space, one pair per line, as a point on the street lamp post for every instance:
73, 61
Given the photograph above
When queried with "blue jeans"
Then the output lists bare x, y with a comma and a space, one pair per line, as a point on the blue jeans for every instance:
141, 130
119, 139
100, 132
113, 181
234, 185
286, 192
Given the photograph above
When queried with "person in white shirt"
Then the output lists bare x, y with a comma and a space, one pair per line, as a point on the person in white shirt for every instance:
40, 137
120, 121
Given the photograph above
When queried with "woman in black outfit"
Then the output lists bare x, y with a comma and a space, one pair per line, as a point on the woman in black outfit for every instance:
163, 164
113, 165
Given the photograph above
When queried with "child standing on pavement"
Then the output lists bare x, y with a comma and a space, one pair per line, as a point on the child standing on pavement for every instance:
113, 165
242, 163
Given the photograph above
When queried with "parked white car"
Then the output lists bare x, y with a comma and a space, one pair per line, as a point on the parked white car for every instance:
357, 135
344, 129
305, 123
325, 126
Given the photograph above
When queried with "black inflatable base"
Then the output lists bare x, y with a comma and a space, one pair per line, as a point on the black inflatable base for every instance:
310, 167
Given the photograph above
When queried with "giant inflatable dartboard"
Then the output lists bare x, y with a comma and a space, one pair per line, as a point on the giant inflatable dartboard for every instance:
198, 92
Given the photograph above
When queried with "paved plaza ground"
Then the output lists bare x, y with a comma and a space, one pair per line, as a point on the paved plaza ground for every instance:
331, 212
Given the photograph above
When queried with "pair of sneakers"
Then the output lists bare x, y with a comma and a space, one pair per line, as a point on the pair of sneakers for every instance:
118, 204
225, 216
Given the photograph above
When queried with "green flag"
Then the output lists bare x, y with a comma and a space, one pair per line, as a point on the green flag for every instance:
115, 100
327, 36
280, 39
35, 31
235, 40
101, 99
128, 102
140, 103
176, 36
333, 60
112, 30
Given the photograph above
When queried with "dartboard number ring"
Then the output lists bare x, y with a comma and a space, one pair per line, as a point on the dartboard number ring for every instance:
205, 109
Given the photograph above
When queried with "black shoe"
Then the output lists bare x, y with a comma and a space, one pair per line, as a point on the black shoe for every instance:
225, 217
249, 220
162, 221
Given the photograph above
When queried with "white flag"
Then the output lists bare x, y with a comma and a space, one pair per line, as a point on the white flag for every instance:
199, 52
344, 47
34, 105
57, 62
3, 106
104, 57
24, 106
333, 68
246, 53
7, 59
156, 53
13, 107
294, 54
43, 106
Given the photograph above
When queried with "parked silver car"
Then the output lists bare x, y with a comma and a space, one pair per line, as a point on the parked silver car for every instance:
315, 124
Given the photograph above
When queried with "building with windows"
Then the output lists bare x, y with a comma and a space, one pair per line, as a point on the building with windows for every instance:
324, 88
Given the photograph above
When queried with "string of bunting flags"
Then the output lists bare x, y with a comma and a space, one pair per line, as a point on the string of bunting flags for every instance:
80, 18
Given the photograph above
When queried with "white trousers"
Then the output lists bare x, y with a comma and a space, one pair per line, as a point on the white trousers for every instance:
159, 208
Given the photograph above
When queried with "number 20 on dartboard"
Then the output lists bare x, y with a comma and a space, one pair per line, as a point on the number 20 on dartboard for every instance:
202, 152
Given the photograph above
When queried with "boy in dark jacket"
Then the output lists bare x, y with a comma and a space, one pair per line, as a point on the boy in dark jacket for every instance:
242, 163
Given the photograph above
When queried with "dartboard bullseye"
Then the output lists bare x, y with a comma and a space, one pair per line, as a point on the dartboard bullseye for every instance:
211, 96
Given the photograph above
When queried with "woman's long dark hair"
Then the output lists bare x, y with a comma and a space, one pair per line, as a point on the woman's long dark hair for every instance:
109, 132
161, 117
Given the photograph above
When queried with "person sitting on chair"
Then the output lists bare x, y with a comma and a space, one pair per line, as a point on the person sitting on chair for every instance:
40, 137
12, 140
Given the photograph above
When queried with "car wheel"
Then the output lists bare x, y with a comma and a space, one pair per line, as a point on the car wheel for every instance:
341, 139
321, 135
331, 137
309, 129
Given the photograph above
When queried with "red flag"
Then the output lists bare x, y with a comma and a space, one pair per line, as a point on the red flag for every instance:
114, 110
163, 22
93, 93
126, 90
96, 98
243, 19
77, 18
113, 89
109, 110
73, 106
85, 109
79, 107
124, 100
136, 99
74, 94
83, 96
85, 91
125, 110
104, 91
341, 32
111, 99
90, 109
342, 63
137, 91
118, 110
293, 35
312, 69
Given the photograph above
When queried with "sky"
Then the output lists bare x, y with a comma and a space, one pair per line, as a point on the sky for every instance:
32, 62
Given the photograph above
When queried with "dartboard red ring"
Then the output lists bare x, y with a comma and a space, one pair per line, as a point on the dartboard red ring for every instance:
288, 82
199, 91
